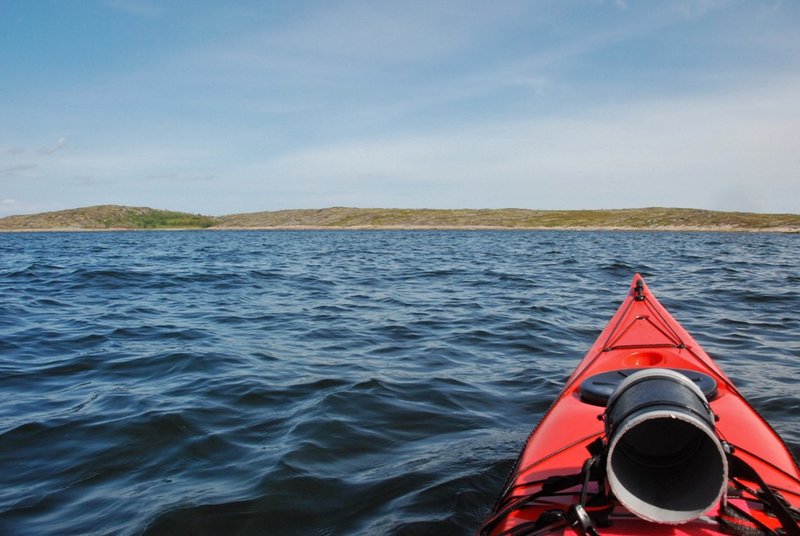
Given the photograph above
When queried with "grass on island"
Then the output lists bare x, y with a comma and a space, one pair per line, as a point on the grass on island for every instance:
166, 219
119, 217
107, 217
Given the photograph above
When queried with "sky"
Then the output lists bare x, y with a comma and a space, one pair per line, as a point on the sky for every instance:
219, 107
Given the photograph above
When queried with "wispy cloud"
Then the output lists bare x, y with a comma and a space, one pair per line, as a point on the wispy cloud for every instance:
698, 8
90, 181
60, 144
179, 177
387, 32
17, 169
705, 151
19, 150
426, 102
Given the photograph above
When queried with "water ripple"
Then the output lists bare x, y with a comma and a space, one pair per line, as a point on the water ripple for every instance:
333, 383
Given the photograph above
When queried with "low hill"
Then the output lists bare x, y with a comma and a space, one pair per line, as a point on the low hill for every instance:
106, 217
119, 217
645, 218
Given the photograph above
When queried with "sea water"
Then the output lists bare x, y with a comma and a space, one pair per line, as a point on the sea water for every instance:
342, 382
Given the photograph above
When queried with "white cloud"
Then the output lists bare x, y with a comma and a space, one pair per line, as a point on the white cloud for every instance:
426, 103
733, 151
712, 151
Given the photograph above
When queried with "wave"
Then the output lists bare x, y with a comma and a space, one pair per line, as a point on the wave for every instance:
333, 383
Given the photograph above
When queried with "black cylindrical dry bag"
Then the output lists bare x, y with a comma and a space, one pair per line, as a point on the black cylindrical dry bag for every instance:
664, 460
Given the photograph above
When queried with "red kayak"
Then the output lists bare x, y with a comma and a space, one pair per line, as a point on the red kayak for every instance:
649, 436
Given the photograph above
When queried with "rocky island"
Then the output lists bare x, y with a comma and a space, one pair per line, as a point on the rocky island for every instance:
114, 217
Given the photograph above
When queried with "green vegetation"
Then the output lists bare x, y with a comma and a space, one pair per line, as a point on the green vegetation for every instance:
164, 219
118, 217
107, 217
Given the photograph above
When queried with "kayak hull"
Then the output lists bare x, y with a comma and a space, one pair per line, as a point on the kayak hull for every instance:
641, 335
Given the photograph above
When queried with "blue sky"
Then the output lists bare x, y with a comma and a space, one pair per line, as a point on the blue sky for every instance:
225, 107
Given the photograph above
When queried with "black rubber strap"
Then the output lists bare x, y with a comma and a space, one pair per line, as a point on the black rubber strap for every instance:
736, 521
550, 487
740, 468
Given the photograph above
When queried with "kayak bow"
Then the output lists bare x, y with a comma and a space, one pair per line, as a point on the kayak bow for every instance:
649, 436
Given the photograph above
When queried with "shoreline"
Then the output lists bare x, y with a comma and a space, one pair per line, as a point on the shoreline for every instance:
662, 229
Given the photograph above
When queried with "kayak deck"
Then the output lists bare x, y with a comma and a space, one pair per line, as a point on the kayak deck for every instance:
642, 334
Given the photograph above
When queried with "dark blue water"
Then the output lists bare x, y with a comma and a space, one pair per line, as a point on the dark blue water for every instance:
327, 383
